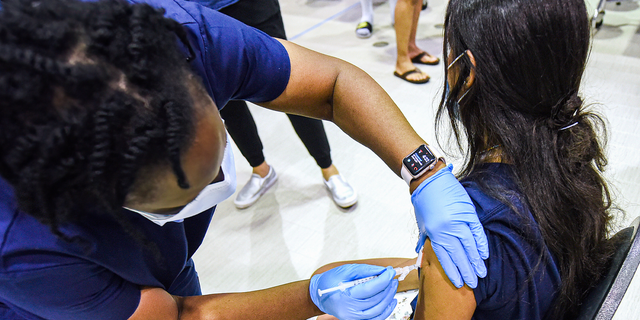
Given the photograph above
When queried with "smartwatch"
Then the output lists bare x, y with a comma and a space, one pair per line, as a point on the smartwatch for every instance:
419, 162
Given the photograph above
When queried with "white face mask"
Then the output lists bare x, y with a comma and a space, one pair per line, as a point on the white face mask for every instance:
208, 198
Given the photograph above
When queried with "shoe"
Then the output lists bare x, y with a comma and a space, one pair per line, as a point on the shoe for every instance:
404, 76
418, 59
254, 189
363, 30
341, 191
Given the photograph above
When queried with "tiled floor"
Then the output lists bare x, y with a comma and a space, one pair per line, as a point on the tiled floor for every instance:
295, 227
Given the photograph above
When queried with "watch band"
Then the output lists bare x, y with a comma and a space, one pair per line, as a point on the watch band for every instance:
408, 177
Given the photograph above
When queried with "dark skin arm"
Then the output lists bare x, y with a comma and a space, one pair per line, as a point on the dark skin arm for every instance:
289, 301
327, 88
438, 297
321, 87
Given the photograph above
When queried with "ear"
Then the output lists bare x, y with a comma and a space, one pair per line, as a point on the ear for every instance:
472, 74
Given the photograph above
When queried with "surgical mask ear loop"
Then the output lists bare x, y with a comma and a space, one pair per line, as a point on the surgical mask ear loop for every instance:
451, 65
456, 59
465, 93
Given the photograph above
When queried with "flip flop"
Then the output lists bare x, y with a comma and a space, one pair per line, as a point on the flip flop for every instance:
363, 30
418, 59
404, 76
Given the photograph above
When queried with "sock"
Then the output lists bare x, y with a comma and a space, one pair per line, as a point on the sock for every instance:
392, 8
367, 11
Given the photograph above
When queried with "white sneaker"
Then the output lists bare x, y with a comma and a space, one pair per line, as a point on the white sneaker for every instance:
341, 191
254, 189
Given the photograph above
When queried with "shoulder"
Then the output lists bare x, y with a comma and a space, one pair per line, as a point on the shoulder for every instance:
233, 60
497, 177
520, 283
40, 278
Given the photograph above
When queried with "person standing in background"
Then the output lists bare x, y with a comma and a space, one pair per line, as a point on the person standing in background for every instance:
407, 13
265, 15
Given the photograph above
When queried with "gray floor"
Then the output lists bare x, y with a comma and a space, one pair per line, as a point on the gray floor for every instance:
295, 228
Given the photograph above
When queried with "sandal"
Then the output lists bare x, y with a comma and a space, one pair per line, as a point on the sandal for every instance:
404, 76
363, 30
418, 59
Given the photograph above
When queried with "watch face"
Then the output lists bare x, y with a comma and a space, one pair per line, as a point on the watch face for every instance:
419, 160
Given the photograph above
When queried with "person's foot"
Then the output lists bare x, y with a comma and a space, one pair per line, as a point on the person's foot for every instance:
255, 188
341, 191
364, 29
405, 76
410, 73
425, 58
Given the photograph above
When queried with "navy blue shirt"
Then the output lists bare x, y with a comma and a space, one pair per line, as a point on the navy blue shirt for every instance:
514, 287
43, 277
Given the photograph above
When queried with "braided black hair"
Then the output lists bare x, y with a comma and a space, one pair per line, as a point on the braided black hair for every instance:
90, 93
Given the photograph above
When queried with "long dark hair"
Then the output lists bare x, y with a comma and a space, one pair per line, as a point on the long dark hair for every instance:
530, 57
90, 93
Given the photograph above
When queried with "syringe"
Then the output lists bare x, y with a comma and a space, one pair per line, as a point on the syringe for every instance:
403, 272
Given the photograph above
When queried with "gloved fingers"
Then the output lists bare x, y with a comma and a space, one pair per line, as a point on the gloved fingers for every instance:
349, 272
469, 244
371, 288
447, 264
379, 303
387, 312
481, 239
457, 253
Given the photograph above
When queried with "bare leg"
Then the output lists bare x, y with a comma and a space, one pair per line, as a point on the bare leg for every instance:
329, 172
413, 48
406, 24
262, 169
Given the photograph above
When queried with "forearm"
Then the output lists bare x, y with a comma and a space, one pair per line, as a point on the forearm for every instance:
328, 88
289, 301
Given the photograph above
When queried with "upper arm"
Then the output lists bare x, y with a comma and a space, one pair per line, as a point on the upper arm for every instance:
438, 297
311, 83
156, 303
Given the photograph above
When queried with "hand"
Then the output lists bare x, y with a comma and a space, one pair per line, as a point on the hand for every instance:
446, 215
370, 300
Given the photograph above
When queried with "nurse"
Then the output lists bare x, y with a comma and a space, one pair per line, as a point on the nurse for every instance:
113, 157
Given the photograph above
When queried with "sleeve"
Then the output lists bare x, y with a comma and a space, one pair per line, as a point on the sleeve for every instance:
70, 291
235, 61
518, 285
501, 272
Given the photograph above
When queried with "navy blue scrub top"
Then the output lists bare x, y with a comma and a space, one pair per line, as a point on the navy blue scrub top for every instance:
513, 288
43, 277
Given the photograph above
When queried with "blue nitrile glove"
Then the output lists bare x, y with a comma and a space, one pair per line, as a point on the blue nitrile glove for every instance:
370, 300
446, 215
